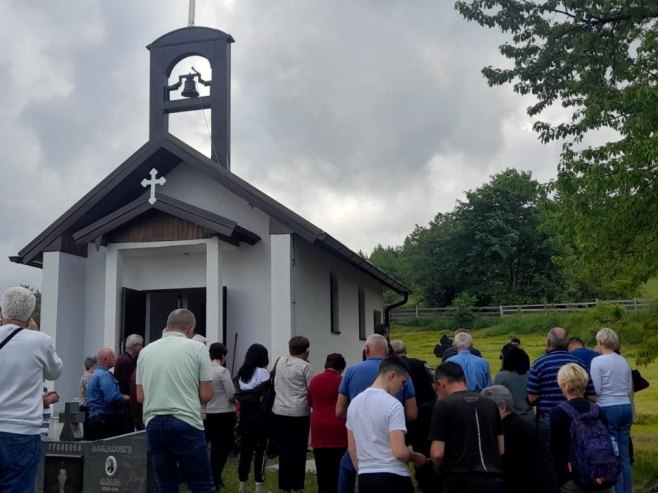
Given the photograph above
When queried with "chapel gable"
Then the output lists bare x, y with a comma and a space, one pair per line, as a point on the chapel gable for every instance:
158, 226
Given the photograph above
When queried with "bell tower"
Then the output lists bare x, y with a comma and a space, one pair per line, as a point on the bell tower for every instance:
166, 52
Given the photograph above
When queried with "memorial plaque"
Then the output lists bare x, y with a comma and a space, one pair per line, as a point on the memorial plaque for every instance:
62, 474
115, 465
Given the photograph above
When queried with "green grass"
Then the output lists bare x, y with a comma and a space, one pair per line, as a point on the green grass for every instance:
230, 477
420, 342
650, 289
420, 337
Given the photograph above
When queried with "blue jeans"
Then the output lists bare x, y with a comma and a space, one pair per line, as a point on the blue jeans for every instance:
347, 475
174, 445
620, 419
19, 462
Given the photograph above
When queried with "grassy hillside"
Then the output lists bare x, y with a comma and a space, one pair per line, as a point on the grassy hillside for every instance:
532, 330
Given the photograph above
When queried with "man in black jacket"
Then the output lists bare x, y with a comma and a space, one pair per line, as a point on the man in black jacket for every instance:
525, 464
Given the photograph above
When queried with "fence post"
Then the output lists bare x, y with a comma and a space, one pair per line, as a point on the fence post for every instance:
502, 312
634, 303
416, 311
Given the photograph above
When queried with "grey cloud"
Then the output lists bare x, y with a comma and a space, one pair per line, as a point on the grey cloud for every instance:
341, 110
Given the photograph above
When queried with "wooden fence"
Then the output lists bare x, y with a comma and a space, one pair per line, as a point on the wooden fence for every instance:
505, 310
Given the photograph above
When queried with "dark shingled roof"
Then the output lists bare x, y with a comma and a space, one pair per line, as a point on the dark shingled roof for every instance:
120, 197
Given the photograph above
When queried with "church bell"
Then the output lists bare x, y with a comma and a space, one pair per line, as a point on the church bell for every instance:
189, 89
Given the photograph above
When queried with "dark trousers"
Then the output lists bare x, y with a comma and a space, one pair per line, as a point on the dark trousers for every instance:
219, 433
291, 433
327, 466
253, 443
106, 426
85, 425
496, 487
384, 482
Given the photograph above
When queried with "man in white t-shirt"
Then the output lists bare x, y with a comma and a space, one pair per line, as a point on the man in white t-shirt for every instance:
375, 433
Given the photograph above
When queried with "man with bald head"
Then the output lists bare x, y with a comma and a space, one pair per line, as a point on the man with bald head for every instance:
105, 402
173, 380
542, 388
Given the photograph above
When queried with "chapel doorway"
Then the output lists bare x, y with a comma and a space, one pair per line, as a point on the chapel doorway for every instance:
145, 312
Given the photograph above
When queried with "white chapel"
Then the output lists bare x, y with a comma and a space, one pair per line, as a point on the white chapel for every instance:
170, 228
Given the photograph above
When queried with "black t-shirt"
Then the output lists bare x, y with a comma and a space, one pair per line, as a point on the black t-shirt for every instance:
525, 462
469, 425
561, 435
422, 380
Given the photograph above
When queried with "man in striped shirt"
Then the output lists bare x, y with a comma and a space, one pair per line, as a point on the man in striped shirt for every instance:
543, 389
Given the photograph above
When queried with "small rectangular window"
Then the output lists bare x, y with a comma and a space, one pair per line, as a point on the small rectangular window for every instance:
333, 302
362, 313
377, 317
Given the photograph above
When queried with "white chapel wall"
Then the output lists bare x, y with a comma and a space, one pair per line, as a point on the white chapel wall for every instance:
311, 296
281, 293
63, 315
167, 271
94, 300
246, 269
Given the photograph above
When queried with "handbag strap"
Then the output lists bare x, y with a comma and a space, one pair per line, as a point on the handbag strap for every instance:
273, 374
9, 337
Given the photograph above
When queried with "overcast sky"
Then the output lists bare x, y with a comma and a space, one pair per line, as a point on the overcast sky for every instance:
364, 116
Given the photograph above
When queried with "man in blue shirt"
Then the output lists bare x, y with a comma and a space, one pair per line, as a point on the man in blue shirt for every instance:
357, 378
476, 369
105, 402
577, 348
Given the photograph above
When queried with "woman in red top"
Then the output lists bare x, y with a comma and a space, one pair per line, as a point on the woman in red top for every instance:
328, 433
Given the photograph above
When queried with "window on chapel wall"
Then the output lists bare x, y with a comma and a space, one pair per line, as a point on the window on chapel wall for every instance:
376, 318
362, 313
333, 302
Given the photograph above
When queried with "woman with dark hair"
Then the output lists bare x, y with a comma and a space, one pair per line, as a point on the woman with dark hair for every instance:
250, 383
292, 376
514, 376
328, 433
220, 413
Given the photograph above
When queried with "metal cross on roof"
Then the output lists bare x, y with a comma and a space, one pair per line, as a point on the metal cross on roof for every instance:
190, 17
152, 183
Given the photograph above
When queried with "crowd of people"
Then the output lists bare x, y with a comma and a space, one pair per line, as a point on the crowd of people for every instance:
531, 428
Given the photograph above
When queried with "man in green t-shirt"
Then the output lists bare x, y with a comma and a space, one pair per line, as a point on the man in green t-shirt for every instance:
173, 381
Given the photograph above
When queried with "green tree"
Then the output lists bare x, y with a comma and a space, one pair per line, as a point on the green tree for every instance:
433, 261
491, 246
598, 59
506, 258
392, 261
37, 309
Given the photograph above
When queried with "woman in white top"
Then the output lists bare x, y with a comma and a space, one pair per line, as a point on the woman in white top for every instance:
292, 375
611, 375
220, 413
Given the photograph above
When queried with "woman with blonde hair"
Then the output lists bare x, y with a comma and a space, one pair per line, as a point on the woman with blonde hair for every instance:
613, 381
572, 379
